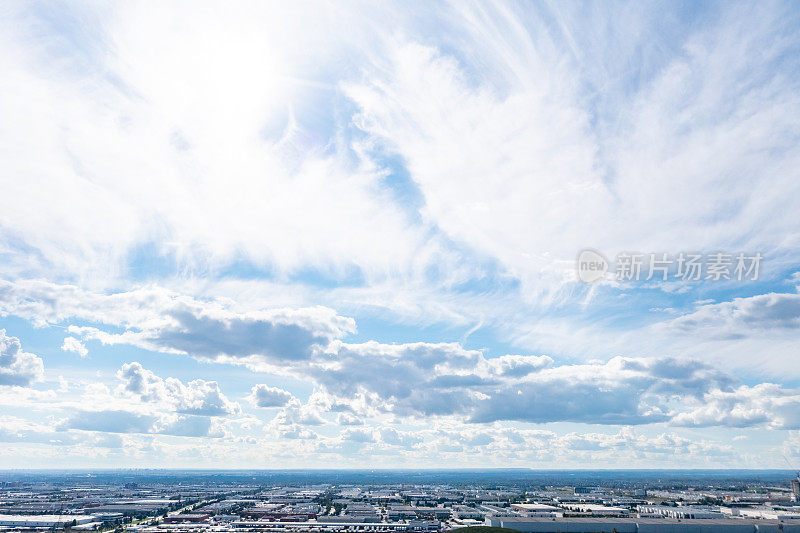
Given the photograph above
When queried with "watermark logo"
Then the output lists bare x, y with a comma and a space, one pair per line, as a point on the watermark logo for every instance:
591, 266
718, 266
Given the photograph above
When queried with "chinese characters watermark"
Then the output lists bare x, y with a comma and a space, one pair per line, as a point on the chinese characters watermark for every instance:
592, 266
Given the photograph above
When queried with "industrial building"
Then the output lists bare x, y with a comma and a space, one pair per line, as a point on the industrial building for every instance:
44, 521
413, 525
537, 509
596, 510
644, 525
682, 512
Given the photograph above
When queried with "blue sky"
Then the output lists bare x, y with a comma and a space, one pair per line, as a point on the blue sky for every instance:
311, 234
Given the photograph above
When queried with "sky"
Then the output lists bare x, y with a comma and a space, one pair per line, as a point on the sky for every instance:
345, 234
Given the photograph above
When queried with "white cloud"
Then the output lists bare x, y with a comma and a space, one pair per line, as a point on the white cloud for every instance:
518, 365
347, 419
358, 435
18, 367
523, 154
71, 344
425, 380
296, 432
371, 379
208, 332
295, 413
499, 446
160, 320
114, 421
443, 173
763, 405
265, 396
198, 397
755, 315
14, 429
204, 160
394, 437
118, 421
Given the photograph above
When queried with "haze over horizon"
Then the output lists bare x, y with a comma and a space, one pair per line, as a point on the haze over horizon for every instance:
344, 235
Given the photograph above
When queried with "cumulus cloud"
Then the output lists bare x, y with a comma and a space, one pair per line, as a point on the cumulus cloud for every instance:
367, 379
71, 344
498, 446
358, 435
766, 405
157, 319
445, 379
198, 397
347, 419
18, 367
741, 317
622, 391
295, 413
251, 338
14, 429
415, 379
518, 365
668, 444
113, 421
121, 421
263, 395
189, 426
395, 365
395, 437
296, 432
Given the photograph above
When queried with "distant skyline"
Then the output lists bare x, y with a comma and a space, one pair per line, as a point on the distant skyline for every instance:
345, 235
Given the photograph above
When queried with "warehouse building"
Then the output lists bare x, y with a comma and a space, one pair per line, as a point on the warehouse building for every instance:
682, 512
44, 521
644, 525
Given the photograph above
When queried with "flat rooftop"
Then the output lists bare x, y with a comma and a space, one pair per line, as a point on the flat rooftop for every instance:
628, 520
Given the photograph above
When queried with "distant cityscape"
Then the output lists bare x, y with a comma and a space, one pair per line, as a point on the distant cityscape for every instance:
151, 501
